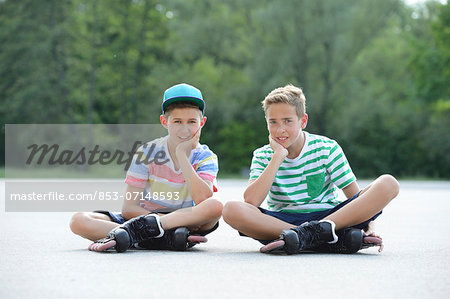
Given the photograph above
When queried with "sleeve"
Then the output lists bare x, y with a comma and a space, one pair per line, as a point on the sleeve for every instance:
259, 163
137, 174
208, 167
338, 167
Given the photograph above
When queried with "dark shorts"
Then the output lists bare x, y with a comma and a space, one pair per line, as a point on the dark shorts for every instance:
115, 217
118, 218
300, 218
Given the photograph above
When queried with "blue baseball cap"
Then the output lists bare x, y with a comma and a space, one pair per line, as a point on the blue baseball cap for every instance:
183, 93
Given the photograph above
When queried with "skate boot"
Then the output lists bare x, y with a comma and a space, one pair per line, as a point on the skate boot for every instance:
351, 240
307, 236
177, 239
314, 233
132, 231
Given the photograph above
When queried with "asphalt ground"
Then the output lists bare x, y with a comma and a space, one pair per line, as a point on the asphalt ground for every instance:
41, 258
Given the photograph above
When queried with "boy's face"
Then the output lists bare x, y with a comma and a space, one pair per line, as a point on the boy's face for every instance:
182, 124
284, 125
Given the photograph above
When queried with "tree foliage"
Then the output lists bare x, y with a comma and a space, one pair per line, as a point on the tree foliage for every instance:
376, 74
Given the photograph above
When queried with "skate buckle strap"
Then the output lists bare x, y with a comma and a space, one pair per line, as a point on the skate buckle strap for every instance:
158, 222
333, 231
145, 227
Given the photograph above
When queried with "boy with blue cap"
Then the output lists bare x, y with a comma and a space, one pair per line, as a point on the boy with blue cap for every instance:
174, 192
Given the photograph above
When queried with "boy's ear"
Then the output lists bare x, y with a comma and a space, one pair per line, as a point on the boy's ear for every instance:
304, 121
203, 121
163, 120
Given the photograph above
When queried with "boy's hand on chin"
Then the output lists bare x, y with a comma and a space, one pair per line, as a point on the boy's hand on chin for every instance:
277, 148
187, 146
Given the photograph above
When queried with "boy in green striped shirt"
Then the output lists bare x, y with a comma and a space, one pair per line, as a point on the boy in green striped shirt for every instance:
299, 172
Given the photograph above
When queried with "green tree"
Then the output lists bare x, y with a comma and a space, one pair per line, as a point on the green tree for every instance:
315, 46
120, 45
34, 58
375, 73
434, 67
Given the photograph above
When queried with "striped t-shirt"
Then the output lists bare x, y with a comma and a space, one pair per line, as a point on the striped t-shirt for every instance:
308, 182
165, 189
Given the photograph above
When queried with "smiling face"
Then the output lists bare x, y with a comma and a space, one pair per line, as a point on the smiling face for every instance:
286, 127
182, 124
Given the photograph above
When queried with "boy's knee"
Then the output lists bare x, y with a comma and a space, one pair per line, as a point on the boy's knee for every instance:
217, 208
78, 222
231, 211
214, 207
390, 184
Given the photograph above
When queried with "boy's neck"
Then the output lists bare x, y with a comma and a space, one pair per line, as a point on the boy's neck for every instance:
295, 149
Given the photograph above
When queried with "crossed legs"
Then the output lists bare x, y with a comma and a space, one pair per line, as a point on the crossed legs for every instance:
249, 220
202, 217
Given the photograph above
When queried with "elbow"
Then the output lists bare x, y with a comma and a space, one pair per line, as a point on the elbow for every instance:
250, 199
207, 194
247, 198
253, 196
202, 197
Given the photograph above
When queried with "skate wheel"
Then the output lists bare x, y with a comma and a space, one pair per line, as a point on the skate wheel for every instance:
291, 241
373, 241
180, 236
278, 244
197, 239
353, 239
102, 246
122, 240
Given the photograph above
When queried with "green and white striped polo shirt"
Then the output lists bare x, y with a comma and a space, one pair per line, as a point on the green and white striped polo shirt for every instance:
308, 182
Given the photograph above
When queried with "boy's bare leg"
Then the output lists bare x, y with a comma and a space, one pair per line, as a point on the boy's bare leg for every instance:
91, 225
95, 226
201, 217
371, 200
249, 220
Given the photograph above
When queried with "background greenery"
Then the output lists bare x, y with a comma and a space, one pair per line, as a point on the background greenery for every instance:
376, 73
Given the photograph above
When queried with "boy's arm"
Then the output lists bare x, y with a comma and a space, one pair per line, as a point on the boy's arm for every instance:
340, 171
199, 189
351, 189
258, 189
130, 207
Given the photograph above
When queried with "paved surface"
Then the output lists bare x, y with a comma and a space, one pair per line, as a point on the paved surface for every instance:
41, 258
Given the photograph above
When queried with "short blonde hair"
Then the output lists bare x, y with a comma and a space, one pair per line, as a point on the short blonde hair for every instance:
288, 94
